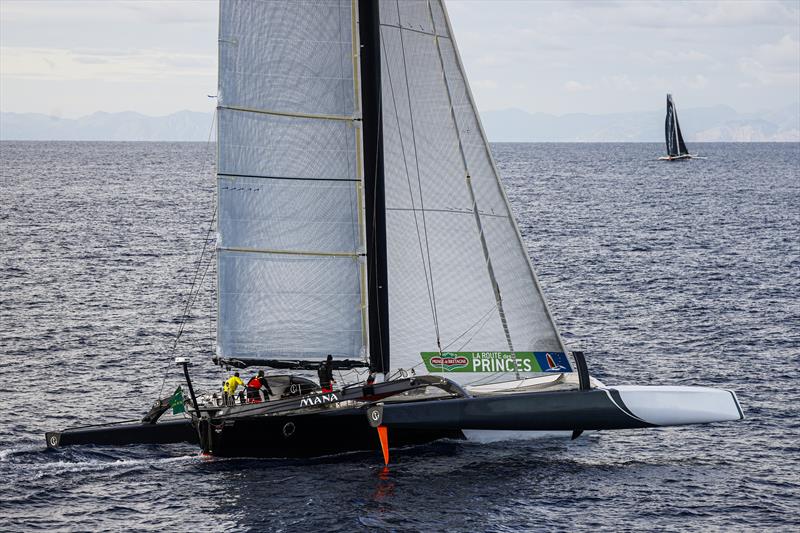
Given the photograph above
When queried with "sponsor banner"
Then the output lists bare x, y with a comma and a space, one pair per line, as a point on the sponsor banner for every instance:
496, 362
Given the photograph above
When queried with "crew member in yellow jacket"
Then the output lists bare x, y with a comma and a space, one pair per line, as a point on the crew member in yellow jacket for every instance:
230, 386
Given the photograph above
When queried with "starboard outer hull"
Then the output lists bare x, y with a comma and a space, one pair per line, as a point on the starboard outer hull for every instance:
624, 407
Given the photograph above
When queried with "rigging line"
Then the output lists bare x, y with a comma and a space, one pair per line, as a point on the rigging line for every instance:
199, 261
192, 297
411, 195
419, 179
485, 321
487, 313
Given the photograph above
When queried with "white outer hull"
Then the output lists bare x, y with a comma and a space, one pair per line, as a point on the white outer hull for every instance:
677, 405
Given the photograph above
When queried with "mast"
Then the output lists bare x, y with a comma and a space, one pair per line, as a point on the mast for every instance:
374, 187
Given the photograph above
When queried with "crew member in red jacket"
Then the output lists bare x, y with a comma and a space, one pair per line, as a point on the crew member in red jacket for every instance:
258, 389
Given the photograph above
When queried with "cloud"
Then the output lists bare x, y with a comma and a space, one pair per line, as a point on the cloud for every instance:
678, 56
698, 81
162, 12
775, 63
712, 15
784, 54
129, 65
576, 86
620, 82
485, 84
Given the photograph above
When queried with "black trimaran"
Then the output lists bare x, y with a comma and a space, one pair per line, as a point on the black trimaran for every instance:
361, 215
676, 148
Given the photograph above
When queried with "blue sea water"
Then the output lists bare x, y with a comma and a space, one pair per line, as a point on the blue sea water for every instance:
662, 272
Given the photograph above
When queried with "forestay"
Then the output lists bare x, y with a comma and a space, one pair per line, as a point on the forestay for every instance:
461, 287
290, 245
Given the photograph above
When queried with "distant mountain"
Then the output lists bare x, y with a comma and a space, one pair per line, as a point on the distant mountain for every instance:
718, 123
101, 126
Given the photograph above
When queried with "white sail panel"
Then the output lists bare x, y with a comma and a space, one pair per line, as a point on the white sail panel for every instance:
286, 306
458, 272
290, 244
287, 55
455, 257
288, 215
428, 161
277, 146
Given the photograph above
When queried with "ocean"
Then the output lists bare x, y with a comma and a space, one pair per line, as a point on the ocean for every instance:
680, 273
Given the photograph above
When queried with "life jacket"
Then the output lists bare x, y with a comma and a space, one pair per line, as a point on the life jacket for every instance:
254, 383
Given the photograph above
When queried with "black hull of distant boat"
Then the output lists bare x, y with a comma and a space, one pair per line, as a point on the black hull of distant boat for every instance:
330, 431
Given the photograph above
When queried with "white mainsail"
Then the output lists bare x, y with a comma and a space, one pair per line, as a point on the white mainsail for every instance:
457, 265
291, 275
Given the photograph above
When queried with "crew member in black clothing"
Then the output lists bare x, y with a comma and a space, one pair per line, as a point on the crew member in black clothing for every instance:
325, 373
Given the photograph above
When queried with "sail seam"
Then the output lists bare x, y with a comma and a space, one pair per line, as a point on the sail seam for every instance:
232, 175
399, 27
288, 252
435, 210
317, 116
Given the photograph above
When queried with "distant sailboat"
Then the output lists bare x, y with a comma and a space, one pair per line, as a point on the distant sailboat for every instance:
676, 148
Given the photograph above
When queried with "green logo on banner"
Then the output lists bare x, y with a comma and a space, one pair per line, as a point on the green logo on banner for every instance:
481, 362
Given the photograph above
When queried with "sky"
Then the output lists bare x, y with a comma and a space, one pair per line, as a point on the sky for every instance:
72, 58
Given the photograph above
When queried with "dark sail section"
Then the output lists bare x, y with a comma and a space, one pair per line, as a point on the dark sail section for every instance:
682, 150
669, 128
374, 189
672, 129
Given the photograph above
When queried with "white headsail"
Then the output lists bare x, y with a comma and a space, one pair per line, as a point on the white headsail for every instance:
457, 265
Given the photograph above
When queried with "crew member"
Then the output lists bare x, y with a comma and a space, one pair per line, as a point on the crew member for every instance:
325, 373
230, 386
256, 388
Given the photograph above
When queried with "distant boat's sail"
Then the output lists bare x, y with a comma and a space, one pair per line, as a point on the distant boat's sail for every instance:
290, 246
459, 278
675, 144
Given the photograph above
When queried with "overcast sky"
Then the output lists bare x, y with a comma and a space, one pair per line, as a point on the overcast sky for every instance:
72, 58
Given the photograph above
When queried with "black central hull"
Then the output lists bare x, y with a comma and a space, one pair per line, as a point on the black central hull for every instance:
310, 435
